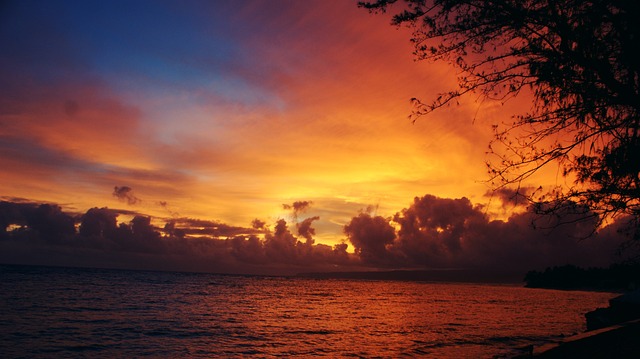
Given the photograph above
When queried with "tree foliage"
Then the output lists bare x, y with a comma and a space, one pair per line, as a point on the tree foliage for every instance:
580, 62
621, 276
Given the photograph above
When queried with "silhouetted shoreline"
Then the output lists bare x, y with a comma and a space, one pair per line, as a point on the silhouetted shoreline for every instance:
615, 278
620, 341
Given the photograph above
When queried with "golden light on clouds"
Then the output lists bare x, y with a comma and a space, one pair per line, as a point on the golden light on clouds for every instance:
228, 120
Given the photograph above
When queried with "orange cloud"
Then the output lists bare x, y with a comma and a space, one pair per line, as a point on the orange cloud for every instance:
312, 104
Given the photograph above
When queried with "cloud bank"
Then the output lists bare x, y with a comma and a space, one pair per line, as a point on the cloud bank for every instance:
431, 233
449, 233
35, 233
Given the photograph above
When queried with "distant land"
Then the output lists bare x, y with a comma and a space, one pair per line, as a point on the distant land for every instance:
618, 277
433, 275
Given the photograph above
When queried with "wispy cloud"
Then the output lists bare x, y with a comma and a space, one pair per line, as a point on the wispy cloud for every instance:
225, 110
125, 194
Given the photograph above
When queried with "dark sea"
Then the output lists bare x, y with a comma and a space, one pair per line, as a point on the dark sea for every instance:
94, 313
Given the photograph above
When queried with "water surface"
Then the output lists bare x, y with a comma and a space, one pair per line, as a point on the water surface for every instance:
59, 312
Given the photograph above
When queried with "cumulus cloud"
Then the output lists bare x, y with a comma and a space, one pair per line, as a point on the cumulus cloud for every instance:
453, 233
44, 234
371, 237
100, 222
431, 233
304, 227
125, 194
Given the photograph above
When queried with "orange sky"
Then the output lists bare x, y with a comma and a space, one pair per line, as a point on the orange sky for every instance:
225, 111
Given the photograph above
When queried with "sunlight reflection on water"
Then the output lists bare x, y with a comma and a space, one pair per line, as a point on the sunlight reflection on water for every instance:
51, 312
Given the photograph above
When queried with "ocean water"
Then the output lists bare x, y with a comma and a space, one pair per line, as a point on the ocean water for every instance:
91, 313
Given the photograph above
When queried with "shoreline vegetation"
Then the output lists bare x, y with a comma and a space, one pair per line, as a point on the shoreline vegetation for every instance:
615, 278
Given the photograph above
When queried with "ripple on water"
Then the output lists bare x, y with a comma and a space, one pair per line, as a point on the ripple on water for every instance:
101, 313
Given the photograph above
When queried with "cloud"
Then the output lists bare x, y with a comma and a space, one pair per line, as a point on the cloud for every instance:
258, 224
297, 207
371, 237
453, 233
304, 227
305, 230
47, 221
99, 222
33, 233
191, 129
200, 227
434, 225
432, 233
165, 206
125, 194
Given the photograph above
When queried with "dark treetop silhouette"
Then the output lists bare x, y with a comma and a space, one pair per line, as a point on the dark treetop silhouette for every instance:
580, 62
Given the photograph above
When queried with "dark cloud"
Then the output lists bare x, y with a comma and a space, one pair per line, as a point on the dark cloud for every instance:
453, 233
192, 226
248, 250
434, 225
304, 227
45, 221
165, 205
371, 237
438, 233
14, 213
125, 193
305, 230
35, 233
281, 245
99, 222
258, 224
298, 207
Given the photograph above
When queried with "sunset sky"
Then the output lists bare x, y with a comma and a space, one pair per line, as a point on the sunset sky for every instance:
226, 110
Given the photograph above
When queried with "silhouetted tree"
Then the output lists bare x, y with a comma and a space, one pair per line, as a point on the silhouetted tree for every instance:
579, 59
618, 276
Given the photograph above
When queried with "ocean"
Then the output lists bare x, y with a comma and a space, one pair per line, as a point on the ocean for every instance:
50, 312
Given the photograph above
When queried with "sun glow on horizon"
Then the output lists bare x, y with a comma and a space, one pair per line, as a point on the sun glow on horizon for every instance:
216, 120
